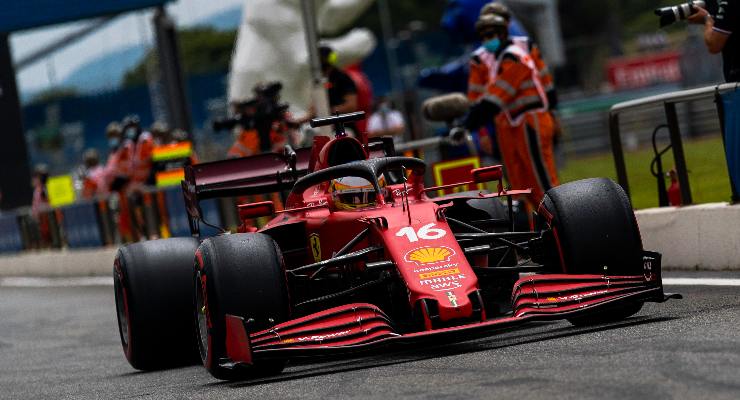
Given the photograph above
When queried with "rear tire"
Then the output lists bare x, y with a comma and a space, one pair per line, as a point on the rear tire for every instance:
243, 275
596, 232
153, 292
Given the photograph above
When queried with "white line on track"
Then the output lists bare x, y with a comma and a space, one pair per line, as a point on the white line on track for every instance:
30, 282
701, 282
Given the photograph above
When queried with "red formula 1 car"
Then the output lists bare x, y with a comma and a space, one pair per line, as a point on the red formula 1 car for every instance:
361, 257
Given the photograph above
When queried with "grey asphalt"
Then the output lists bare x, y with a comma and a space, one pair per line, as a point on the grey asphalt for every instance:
63, 343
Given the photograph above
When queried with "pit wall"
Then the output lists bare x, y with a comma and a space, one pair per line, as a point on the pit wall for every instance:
705, 237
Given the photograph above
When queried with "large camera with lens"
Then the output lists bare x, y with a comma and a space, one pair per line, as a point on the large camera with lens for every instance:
259, 113
243, 119
264, 109
669, 15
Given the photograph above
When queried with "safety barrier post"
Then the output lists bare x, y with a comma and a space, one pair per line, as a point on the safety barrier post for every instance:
618, 152
164, 216
55, 229
151, 223
105, 221
678, 154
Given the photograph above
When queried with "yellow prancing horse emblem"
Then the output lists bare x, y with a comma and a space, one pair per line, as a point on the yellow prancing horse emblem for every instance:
315, 243
452, 298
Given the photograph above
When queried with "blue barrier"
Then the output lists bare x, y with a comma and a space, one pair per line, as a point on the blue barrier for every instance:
81, 225
731, 126
178, 216
10, 233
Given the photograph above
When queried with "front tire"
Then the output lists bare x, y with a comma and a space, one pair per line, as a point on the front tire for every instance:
243, 275
153, 285
595, 231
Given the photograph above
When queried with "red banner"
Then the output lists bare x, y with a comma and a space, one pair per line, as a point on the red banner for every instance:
645, 70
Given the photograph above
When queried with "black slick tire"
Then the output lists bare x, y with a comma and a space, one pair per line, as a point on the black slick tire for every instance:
243, 275
153, 293
595, 232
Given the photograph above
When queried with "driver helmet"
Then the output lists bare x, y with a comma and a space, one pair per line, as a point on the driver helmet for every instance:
352, 192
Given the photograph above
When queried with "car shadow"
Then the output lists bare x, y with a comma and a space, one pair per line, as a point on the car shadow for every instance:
391, 355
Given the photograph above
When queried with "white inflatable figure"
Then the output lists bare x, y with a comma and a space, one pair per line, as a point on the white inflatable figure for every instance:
271, 46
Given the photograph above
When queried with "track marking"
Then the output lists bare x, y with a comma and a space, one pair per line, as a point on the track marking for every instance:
701, 282
29, 282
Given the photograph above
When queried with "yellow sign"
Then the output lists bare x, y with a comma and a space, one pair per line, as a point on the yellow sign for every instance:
437, 274
455, 171
60, 190
315, 243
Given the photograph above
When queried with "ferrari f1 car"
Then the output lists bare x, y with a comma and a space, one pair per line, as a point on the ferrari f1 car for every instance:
362, 256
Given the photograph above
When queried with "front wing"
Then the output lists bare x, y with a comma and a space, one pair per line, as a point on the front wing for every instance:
360, 326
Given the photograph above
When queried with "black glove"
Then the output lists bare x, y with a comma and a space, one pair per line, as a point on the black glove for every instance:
480, 113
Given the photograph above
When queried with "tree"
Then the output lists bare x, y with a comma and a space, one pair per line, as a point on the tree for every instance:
56, 93
203, 50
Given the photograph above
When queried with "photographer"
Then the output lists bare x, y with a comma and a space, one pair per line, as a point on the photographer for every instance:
263, 124
719, 37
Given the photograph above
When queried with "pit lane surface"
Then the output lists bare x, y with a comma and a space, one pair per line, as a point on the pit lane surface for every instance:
62, 342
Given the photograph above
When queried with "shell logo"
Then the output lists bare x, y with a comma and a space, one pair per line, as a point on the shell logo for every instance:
429, 255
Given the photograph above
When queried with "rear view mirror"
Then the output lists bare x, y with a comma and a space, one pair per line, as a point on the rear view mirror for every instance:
256, 210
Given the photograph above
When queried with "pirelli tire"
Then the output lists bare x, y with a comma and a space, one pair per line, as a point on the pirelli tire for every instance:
595, 232
244, 275
153, 293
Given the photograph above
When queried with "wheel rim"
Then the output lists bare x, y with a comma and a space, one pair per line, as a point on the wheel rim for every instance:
122, 311
201, 317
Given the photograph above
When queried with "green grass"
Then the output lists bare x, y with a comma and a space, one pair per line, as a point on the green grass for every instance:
705, 161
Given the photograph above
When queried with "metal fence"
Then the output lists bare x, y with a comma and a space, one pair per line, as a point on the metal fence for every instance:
586, 130
685, 112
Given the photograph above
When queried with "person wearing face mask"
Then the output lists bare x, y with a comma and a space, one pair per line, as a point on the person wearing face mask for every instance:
118, 166
92, 174
142, 144
500, 9
516, 96
483, 67
118, 172
40, 203
386, 121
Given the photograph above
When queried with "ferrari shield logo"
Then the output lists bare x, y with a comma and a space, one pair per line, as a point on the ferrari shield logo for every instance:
315, 244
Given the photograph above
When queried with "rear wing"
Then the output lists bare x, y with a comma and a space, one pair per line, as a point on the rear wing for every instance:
259, 174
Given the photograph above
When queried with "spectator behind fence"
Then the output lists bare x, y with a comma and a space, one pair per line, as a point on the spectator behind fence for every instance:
118, 166
143, 144
386, 121
160, 132
719, 34
118, 171
40, 204
92, 174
